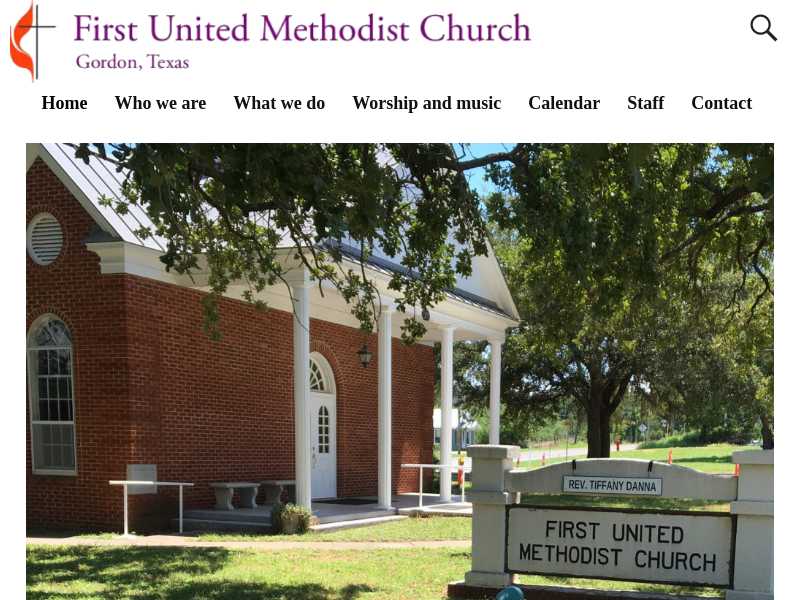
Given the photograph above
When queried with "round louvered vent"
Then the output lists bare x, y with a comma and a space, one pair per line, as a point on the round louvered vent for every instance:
45, 239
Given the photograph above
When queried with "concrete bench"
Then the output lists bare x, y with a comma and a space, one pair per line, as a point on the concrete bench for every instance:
223, 492
273, 488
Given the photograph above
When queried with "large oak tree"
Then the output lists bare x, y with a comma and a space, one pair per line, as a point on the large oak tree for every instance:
608, 240
613, 253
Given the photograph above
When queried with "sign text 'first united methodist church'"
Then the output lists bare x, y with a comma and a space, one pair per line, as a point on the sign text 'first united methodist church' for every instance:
679, 548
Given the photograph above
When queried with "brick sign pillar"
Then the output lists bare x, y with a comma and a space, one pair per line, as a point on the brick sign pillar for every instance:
489, 466
753, 507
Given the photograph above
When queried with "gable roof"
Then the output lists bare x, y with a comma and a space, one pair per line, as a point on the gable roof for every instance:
486, 288
89, 183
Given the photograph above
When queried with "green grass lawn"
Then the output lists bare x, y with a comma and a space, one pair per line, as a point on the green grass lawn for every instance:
715, 458
82, 573
86, 573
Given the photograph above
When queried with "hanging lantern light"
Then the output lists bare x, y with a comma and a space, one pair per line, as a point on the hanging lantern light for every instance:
364, 355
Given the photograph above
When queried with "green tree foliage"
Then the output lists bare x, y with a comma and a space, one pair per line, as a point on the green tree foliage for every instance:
720, 380
611, 250
236, 211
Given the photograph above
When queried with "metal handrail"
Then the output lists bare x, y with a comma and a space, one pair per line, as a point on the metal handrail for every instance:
126, 482
424, 466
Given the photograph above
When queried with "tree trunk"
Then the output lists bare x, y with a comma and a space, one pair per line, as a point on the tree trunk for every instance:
767, 437
578, 425
598, 428
604, 396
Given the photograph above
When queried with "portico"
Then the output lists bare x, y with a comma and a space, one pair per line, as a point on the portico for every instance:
463, 316
297, 393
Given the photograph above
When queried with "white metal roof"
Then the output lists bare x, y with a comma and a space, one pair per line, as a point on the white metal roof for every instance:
91, 182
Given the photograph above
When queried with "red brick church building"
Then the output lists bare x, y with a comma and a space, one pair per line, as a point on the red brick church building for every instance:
123, 381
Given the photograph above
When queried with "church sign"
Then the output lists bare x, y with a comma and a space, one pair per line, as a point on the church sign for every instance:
593, 484
676, 547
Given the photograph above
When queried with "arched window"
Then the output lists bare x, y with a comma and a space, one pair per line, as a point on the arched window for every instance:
51, 399
317, 378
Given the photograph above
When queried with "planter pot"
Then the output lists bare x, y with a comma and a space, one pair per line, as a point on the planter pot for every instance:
290, 524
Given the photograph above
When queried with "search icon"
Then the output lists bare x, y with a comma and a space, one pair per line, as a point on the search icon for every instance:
761, 25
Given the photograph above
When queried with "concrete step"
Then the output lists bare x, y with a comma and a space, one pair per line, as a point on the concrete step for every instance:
338, 526
223, 526
258, 520
355, 515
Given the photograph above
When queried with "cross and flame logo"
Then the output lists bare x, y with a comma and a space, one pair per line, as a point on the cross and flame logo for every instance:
21, 58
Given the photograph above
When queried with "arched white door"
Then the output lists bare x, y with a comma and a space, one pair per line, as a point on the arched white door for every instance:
322, 428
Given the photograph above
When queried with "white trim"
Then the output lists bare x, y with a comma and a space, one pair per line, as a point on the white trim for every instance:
326, 372
472, 322
28, 348
125, 257
63, 473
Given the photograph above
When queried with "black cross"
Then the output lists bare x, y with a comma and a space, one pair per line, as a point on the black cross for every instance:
36, 27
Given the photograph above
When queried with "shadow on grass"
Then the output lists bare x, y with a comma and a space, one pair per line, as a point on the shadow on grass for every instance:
79, 572
228, 590
222, 590
121, 567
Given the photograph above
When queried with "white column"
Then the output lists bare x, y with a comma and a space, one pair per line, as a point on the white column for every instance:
385, 407
494, 393
489, 500
446, 388
753, 572
302, 391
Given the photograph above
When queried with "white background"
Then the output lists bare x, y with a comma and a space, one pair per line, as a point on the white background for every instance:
602, 49
708, 536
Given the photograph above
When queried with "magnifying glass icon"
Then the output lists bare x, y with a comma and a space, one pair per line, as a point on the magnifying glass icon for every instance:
761, 25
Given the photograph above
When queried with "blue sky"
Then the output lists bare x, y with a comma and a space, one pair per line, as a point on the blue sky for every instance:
476, 176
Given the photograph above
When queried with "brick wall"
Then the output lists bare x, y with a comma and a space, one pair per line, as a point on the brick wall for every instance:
150, 387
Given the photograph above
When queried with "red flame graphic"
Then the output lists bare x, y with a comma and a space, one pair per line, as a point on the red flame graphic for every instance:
18, 55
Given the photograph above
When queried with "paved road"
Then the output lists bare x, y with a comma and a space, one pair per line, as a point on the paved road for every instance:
536, 453
554, 452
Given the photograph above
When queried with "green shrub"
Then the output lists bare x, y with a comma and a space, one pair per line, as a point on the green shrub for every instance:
717, 435
290, 518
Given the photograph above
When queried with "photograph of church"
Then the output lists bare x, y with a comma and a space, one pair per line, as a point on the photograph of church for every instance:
124, 383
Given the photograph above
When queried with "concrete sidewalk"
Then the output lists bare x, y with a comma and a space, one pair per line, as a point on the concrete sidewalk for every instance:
175, 541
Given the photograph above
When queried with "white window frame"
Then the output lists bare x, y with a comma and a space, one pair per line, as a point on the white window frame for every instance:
29, 350
317, 375
319, 363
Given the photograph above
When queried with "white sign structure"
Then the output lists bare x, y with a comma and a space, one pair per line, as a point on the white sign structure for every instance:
730, 550
681, 548
630, 486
